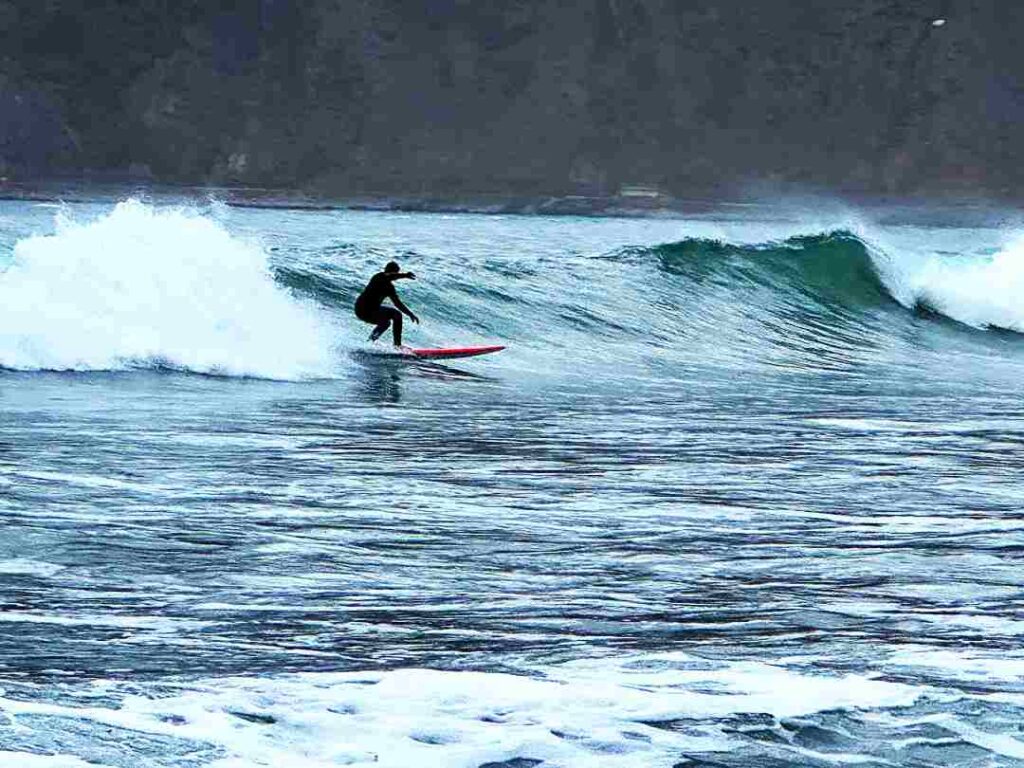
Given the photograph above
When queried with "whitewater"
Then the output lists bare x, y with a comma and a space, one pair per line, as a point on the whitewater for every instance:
744, 490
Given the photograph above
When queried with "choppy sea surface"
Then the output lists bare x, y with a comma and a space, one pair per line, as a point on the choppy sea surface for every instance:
740, 492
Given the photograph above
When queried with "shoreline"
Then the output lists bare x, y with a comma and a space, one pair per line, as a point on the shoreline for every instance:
887, 209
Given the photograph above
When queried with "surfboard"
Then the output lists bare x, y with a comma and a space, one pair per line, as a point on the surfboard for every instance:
449, 353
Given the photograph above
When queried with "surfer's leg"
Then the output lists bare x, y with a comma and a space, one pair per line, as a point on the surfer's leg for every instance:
396, 328
383, 319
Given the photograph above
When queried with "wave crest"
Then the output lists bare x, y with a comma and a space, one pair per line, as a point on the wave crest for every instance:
147, 287
834, 267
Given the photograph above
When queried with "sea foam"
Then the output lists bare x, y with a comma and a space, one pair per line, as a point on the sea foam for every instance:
153, 287
595, 713
978, 289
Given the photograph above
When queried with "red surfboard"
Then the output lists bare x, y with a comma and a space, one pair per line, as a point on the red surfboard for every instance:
446, 353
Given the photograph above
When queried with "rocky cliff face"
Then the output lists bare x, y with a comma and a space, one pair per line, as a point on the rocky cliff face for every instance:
464, 96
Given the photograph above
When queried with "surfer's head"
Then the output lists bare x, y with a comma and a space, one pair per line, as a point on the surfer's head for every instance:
392, 266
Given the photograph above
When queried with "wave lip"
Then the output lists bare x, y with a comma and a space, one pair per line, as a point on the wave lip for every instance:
811, 302
154, 288
982, 291
835, 268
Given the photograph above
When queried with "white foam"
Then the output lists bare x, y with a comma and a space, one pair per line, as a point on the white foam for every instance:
154, 623
742, 687
29, 760
999, 743
88, 481
974, 287
984, 625
964, 665
152, 286
588, 714
24, 567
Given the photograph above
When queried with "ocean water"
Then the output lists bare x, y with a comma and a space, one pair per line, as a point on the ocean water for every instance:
742, 491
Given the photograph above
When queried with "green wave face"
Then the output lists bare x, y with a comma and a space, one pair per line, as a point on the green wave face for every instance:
834, 268
821, 301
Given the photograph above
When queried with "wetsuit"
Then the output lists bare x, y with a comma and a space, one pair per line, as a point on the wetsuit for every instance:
369, 310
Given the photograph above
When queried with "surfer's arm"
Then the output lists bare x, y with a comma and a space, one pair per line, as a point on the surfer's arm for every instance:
402, 276
401, 307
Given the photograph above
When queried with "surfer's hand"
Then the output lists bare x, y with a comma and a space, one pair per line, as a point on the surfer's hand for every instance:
410, 275
414, 318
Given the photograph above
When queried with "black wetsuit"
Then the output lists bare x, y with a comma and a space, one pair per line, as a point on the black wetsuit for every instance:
369, 310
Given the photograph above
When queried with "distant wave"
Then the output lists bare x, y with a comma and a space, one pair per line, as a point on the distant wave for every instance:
835, 267
835, 270
842, 268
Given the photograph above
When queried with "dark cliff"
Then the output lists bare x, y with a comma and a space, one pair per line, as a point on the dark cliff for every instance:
477, 96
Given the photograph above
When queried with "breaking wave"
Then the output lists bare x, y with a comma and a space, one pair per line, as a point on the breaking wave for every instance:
144, 286
148, 287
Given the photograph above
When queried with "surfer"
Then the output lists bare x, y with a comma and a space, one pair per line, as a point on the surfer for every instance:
369, 305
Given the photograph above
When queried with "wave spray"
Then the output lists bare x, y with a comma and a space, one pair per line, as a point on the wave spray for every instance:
148, 287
